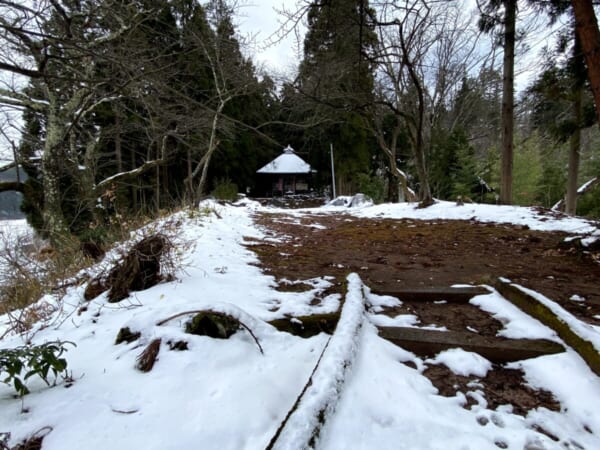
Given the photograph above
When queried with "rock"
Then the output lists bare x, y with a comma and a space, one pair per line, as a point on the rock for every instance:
213, 324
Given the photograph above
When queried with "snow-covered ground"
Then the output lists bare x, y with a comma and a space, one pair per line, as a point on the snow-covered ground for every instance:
226, 394
13, 230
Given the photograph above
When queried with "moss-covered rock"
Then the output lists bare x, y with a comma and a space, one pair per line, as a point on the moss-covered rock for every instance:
126, 335
307, 326
213, 324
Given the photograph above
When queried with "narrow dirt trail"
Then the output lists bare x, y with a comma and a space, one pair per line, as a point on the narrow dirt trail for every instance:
411, 253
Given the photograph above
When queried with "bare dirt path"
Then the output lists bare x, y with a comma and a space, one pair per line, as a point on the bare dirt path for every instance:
390, 254
411, 253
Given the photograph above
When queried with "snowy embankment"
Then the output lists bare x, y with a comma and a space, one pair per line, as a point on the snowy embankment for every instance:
226, 394
221, 394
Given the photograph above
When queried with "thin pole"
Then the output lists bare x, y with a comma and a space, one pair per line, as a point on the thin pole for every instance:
332, 170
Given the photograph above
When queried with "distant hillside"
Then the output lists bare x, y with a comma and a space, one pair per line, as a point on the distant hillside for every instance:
10, 201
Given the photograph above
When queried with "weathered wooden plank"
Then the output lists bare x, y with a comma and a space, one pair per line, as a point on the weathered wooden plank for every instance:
499, 350
429, 294
544, 314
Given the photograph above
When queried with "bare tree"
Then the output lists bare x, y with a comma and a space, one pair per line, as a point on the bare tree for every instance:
425, 48
57, 46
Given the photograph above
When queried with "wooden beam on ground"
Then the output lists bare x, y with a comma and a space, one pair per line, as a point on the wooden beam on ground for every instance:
544, 314
450, 294
498, 350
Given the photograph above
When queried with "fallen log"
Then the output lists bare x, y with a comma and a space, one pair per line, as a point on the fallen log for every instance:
301, 427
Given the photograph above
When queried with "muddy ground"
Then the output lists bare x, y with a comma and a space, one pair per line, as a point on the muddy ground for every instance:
390, 254
410, 253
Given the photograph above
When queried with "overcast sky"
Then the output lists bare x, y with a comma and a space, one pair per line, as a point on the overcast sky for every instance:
259, 21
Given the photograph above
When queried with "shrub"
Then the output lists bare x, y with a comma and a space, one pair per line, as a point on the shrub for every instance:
589, 203
373, 186
225, 189
38, 360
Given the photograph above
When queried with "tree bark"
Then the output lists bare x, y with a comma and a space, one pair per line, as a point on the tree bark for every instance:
575, 144
118, 149
54, 220
510, 16
586, 26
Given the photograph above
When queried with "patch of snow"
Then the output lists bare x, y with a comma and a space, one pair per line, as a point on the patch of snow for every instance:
401, 320
588, 241
585, 185
443, 210
341, 200
11, 231
462, 362
577, 298
579, 400
516, 324
360, 201
375, 300
355, 201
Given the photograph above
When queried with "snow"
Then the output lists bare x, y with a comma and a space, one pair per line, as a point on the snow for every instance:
442, 210
585, 185
577, 298
516, 324
318, 402
462, 362
286, 163
226, 394
583, 330
13, 230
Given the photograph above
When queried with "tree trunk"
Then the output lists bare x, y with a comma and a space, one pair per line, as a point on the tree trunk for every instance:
586, 26
54, 220
134, 186
118, 150
510, 7
202, 183
575, 144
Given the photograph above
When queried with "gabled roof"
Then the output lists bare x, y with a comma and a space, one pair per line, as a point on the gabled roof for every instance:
287, 162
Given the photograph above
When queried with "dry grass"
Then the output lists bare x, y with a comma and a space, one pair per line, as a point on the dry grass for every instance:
145, 264
27, 273
30, 269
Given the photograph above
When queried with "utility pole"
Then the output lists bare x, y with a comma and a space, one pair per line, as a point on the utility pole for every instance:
332, 171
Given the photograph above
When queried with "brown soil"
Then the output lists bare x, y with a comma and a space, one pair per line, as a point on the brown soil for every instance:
388, 254
454, 316
391, 254
501, 386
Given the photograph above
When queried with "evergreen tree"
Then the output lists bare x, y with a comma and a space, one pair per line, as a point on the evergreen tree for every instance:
336, 82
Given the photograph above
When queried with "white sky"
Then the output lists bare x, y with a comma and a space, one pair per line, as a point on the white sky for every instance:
259, 21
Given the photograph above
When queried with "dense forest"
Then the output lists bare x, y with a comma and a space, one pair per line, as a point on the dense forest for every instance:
133, 107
